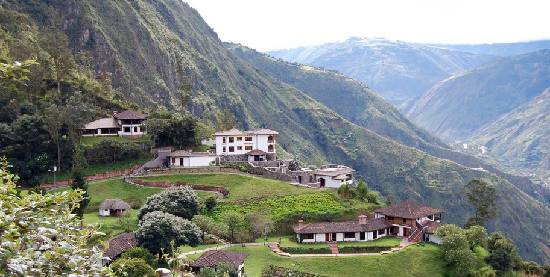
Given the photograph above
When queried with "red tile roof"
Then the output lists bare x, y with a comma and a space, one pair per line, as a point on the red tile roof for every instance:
119, 244
213, 258
408, 209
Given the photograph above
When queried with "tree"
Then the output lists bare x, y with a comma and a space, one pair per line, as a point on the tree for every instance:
234, 221
79, 183
361, 190
503, 255
61, 60
140, 253
55, 245
482, 196
54, 118
210, 226
345, 191
176, 132
157, 229
132, 267
477, 236
182, 202
210, 203
458, 256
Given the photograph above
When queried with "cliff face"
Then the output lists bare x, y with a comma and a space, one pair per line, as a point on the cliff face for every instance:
162, 54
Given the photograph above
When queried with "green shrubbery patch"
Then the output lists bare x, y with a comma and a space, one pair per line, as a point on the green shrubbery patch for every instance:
363, 249
307, 250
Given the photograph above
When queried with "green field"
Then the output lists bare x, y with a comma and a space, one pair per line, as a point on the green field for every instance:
416, 261
240, 187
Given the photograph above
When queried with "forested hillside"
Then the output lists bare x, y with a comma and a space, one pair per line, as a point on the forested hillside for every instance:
162, 54
399, 71
455, 108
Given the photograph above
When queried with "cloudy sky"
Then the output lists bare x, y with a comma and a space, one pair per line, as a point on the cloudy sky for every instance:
276, 24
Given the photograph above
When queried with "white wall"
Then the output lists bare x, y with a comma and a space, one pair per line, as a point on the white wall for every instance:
329, 182
435, 239
320, 237
192, 161
258, 142
133, 132
104, 212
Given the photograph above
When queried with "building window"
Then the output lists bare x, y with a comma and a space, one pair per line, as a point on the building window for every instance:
239, 148
248, 148
381, 231
126, 129
270, 148
135, 129
231, 139
223, 149
349, 235
239, 138
248, 139
404, 220
223, 139
270, 139
173, 160
307, 236
231, 148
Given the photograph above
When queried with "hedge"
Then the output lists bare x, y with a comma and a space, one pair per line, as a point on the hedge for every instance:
306, 250
363, 249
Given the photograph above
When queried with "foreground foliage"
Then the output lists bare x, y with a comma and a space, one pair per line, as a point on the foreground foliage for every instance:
39, 234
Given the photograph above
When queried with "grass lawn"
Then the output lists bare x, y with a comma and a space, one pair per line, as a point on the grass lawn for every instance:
187, 248
89, 141
286, 242
416, 261
97, 168
385, 241
111, 225
240, 187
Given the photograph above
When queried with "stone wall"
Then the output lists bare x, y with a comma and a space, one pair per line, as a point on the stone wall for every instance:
186, 170
96, 177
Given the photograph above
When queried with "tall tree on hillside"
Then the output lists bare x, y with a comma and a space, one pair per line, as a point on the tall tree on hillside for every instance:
79, 183
54, 118
61, 60
482, 196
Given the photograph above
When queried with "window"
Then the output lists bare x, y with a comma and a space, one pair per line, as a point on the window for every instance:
135, 129
248, 148
307, 236
126, 129
248, 139
239, 148
404, 220
381, 231
239, 138
231, 148
270, 139
223, 139
270, 148
173, 160
349, 235
231, 139
223, 149
362, 236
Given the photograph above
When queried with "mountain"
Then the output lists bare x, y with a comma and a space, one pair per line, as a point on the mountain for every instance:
161, 54
458, 106
360, 105
399, 71
520, 138
499, 49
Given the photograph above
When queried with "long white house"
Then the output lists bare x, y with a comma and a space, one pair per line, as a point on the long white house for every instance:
126, 123
182, 158
255, 145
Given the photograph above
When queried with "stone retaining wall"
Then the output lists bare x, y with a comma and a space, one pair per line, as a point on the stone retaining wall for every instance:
221, 190
96, 177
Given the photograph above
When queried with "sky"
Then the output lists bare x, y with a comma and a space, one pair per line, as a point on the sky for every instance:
278, 24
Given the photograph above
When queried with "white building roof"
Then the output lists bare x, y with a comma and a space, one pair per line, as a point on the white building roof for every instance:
107, 122
184, 153
335, 171
237, 132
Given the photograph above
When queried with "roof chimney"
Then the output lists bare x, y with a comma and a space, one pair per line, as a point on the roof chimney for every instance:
363, 219
300, 223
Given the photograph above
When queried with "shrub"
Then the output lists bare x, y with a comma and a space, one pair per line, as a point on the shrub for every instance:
363, 249
306, 250
210, 203
109, 151
157, 229
182, 202
210, 226
132, 268
276, 271
140, 253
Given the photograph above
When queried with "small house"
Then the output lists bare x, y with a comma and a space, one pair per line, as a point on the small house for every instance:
328, 176
113, 207
126, 123
215, 258
364, 229
429, 232
118, 245
182, 158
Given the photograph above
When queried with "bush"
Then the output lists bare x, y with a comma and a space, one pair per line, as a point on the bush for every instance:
183, 203
210, 203
210, 226
276, 271
132, 268
157, 229
363, 249
140, 253
306, 250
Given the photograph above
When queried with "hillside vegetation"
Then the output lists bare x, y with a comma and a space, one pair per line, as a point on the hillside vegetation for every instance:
162, 54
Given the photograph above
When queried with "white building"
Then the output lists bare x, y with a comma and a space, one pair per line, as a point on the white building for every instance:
126, 123
182, 158
364, 229
333, 176
240, 143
